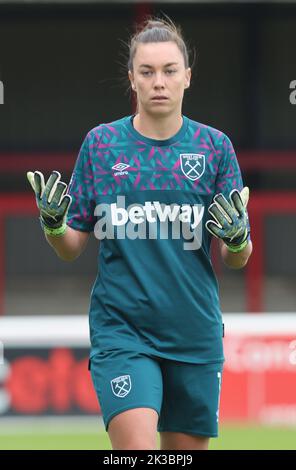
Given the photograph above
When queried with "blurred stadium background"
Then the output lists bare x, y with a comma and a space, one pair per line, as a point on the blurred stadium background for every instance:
61, 66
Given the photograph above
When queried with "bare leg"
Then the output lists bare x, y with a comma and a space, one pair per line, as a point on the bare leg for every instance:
134, 429
180, 441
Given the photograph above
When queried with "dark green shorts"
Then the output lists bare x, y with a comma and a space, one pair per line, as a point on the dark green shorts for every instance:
185, 396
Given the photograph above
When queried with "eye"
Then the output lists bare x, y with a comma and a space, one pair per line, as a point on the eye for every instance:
146, 73
170, 71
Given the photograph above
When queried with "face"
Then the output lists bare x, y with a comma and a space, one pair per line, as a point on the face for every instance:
159, 77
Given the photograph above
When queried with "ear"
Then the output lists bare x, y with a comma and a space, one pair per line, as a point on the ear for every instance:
131, 79
187, 77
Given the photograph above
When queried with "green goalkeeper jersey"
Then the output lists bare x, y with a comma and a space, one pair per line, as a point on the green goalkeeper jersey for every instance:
146, 200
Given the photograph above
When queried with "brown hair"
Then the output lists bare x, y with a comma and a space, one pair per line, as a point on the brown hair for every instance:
157, 30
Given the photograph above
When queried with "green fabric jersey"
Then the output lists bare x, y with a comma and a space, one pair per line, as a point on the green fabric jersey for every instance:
147, 200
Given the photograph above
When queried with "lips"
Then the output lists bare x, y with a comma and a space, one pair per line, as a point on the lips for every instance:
159, 98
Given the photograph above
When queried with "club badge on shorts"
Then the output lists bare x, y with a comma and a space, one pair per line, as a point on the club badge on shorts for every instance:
121, 386
192, 165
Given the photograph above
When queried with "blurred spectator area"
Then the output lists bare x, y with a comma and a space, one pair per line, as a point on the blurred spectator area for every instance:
62, 67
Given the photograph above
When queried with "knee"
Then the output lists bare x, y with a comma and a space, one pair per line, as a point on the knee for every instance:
140, 446
136, 444
134, 441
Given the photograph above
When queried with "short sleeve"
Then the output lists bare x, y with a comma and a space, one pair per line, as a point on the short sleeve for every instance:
229, 174
81, 188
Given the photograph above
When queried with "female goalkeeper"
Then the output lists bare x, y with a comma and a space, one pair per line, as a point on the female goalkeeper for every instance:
154, 188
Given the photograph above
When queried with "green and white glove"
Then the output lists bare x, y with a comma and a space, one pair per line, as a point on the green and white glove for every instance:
52, 201
230, 222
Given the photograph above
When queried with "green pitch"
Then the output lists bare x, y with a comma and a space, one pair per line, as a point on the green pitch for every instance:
231, 437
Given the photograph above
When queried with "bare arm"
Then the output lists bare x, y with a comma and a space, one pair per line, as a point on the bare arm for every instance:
70, 245
235, 260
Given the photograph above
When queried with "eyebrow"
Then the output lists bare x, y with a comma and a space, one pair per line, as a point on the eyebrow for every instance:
166, 65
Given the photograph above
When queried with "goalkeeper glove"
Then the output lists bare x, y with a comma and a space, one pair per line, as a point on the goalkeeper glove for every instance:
52, 201
230, 222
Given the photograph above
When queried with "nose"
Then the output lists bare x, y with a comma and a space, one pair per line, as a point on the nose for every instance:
159, 80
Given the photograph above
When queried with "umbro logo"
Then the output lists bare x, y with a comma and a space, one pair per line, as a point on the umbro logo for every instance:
120, 167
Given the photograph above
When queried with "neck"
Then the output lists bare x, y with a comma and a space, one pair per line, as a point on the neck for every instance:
157, 127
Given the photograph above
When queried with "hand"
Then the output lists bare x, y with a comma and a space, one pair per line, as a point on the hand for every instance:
230, 222
52, 201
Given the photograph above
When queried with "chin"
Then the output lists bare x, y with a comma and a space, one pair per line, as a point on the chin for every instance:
159, 110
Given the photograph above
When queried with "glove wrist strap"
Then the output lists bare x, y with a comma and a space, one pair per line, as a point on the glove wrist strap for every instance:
54, 232
237, 248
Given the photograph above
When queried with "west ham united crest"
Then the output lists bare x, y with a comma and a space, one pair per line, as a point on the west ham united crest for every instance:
121, 386
192, 165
